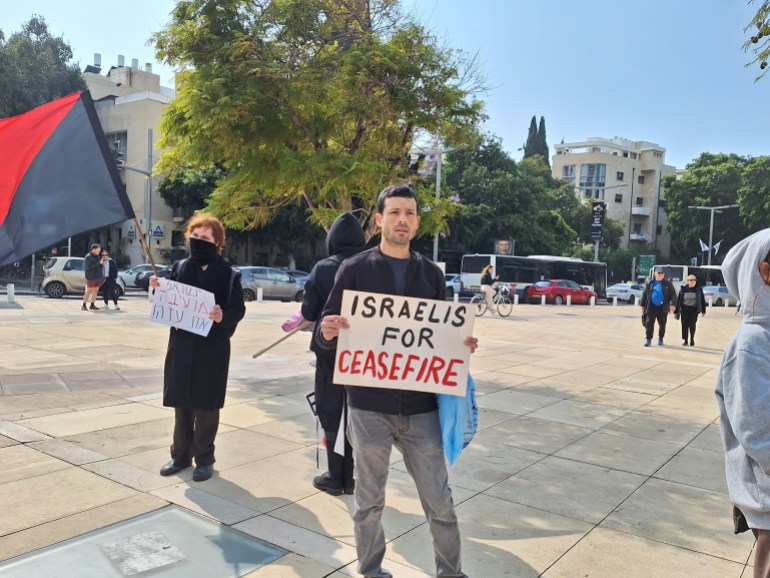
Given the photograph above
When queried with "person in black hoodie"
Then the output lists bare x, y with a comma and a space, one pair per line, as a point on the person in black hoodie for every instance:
689, 304
345, 238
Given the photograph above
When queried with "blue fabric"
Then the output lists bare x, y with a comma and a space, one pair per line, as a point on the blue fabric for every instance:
459, 418
657, 293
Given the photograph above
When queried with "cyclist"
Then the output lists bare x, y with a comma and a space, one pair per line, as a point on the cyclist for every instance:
487, 288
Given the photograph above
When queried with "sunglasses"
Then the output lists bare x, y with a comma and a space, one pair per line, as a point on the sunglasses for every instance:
693, 280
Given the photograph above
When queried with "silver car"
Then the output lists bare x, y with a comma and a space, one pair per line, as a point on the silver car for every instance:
625, 292
275, 284
65, 275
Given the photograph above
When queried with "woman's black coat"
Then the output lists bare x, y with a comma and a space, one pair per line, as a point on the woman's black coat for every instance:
196, 367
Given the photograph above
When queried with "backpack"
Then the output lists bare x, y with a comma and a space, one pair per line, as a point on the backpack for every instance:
177, 268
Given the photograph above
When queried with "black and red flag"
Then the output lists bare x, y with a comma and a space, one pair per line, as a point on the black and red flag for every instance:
57, 177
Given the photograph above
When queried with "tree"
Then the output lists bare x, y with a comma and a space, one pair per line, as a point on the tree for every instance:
312, 100
188, 189
754, 194
35, 68
759, 42
542, 142
712, 180
531, 147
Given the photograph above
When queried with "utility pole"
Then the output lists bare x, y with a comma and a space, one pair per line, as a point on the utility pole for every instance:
711, 226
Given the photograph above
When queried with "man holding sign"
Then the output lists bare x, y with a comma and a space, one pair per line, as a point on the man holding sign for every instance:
413, 354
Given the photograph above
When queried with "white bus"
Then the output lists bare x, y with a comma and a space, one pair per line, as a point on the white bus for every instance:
521, 272
705, 274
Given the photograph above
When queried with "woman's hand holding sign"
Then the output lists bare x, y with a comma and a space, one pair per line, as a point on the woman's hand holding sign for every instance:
216, 314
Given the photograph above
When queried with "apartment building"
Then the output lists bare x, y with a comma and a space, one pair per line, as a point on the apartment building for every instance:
628, 176
129, 103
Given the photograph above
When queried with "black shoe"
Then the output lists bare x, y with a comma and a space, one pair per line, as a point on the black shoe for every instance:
174, 467
84, 308
692, 343
350, 487
93, 307
203, 473
327, 484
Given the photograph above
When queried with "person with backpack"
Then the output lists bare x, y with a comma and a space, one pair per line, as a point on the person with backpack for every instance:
657, 301
345, 239
195, 372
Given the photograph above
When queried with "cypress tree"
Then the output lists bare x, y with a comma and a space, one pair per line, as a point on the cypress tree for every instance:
542, 143
531, 146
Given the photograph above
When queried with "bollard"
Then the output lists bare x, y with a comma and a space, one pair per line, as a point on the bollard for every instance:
542, 300
10, 289
515, 298
636, 300
615, 301
456, 298
259, 294
710, 303
569, 300
727, 303
593, 300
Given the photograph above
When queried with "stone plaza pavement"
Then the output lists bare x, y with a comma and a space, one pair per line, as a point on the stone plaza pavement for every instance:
595, 457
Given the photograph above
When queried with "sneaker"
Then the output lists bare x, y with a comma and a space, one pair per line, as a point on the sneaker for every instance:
647, 342
684, 343
106, 306
660, 341
117, 307
93, 307
84, 308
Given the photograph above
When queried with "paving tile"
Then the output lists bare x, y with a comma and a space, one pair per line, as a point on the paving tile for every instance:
94, 419
614, 398
545, 437
30, 502
128, 475
620, 452
294, 566
240, 447
69, 452
130, 439
640, 558
21, 462
20, 433
709, 439
692, 518
264, 410
302, 429
515, 401
496, 536
654, 427
587, 415
573, 489
696, 467
205, 504
5, 442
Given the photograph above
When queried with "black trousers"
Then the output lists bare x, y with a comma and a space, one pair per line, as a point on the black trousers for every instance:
194, 433
110, 290
659, 314
689, 318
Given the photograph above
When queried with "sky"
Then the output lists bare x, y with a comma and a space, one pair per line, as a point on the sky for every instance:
671, 72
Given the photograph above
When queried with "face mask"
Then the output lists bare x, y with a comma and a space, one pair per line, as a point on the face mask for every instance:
202, 252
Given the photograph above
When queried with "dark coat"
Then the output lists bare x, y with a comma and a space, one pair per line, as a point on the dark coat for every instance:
92, 266
700, 299
669, 295
345, 238
112, 269
370, 271
195, 374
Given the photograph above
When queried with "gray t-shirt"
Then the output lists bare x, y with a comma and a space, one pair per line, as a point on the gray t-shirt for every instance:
399, 267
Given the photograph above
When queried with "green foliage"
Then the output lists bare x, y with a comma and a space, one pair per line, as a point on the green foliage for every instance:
189, 189
712, 180
35, 68
316, 101
754, 194
536, 144
759, 41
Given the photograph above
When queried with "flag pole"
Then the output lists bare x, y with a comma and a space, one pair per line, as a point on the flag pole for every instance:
146, 249
282, 339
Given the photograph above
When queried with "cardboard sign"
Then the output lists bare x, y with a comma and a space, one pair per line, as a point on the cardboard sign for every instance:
182, 306
404, 343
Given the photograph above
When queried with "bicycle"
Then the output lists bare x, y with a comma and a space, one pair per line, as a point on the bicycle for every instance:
502, 302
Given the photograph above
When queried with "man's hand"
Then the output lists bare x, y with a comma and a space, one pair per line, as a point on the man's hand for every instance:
472, 343
331, 325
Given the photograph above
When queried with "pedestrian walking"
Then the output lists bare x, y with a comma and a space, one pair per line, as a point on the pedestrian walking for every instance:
742, 395
657, 301
195, 372
345, 239
380, 418
689, 304
110, 285
94, 272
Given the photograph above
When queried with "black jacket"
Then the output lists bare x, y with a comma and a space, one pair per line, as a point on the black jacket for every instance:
669, 295
700, 299
92, 266
370, 271
112, 269
195, 373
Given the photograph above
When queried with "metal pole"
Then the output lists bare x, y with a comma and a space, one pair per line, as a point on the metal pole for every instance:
439, 152
711, 234
149, 194
596, 251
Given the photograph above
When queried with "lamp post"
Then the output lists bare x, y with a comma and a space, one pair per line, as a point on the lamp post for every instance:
711, 226
439, 156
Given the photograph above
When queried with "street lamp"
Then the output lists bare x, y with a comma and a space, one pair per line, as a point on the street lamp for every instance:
711, 226
604, 199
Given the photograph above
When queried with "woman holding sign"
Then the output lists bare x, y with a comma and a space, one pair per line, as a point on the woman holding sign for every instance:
195, 374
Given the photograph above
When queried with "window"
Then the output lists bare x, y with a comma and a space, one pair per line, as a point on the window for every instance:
659, 230
118, 145
619, 176
637, 228
640, 179
639, 201
634, 156
593, 175
618, 198
625, 155
568, 173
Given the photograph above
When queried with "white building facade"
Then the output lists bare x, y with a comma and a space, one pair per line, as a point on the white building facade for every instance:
628, 177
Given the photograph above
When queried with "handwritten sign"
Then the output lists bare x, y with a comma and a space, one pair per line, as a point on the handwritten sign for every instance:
182, 306
406, 343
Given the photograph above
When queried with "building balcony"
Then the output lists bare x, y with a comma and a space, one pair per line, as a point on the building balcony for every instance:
638, 211
641, 237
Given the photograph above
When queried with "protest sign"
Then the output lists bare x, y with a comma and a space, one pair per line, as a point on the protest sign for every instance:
182, 306
406, 343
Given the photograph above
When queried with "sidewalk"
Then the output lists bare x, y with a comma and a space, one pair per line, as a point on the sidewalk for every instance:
595, 456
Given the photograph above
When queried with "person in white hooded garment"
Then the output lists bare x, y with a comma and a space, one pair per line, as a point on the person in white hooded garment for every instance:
743, 394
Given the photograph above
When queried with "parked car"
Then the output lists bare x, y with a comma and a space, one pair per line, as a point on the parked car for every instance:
142, 280
557, 290
130, 274
454, 285
275, 284
65, 275
719, 295
299, 276
625, 292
